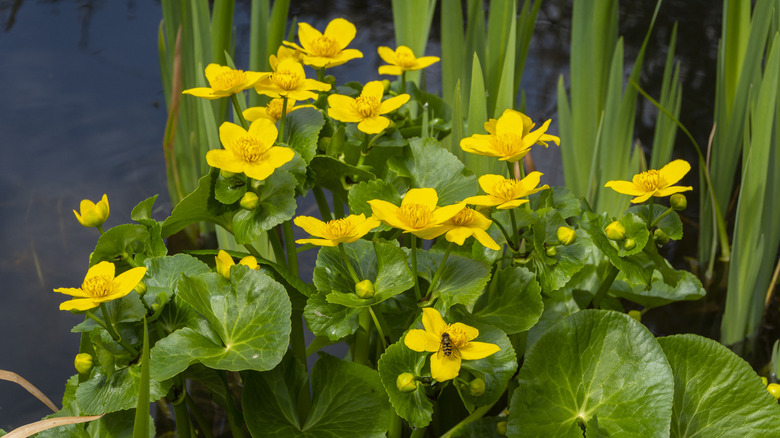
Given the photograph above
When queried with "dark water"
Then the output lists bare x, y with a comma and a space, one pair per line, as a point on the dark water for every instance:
82, 114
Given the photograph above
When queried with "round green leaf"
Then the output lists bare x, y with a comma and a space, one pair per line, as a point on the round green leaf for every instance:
554, 272
303, 128
332, 320
117, 392
669, 224
716, 393
162, 273
631, 263
333, 174
413, 406
663, 290
230, 190
277, 204
595, 367
513, 303
200, 205
366, 191
120, 240
462, 279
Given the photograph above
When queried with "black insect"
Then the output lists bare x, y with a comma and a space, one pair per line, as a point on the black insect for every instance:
446, 344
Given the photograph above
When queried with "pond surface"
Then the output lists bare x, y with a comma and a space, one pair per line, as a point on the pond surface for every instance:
83, 114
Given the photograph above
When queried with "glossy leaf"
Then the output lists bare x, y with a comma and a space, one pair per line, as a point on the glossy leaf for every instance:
555, 271
101, 393
414, 406
462, 279
513, 304
303, 128
277, 204
200, 205
332, 320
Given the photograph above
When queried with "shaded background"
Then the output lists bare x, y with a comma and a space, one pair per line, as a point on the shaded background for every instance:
82, 114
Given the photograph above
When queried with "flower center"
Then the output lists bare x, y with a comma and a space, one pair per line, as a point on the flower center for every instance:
465, 217
650, 180
274, 108
404, 59
287, 80
338, 228
249, 149
507, 189
228, 79
509, 143
415, 215
98, 286
457, 337
366, 106
325, 46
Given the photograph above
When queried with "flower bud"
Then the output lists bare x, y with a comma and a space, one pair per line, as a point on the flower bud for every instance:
660, 237
140, 288
629, 244
764, 381
637, 315
223, 263
329, 79
91, 214
249, 201
249, 261
477, 387
678, 201
501, 428
365, 289
615, 231
386, 85
405, 382
83, 363
550, 251
566, 235
774, 389
226, 174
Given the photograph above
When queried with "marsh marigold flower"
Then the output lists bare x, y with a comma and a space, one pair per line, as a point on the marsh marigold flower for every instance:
289, 80
93, 215
510, 137
469, 222
224, 261
658, 183
450, 344
101, 286
224, 81
505, 193
366, 110
272, 111
331, 233
402, 59
250, 152
418, 213
327, 49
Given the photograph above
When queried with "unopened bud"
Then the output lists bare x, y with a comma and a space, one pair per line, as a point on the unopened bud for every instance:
660, 237
615, 231
223, 263
249, 201
774, 389
365, 289
566, 235
83, 363
405, 382
226, 174
550, 251
140, 288
249, 261
678, 201
501, 428
477, 387
629, 244
386, 85
764, 381
637, 315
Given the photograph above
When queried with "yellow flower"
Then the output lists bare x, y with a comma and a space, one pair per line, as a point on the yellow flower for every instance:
451, 343
401, 60
658, 183
225, 261
326, 49
510, 137
505, 193
224, 81
101, 286
367, 109
93, 215
344, 230
418, 213
289, 80
282, 53
250, 152
467, 223
272, 111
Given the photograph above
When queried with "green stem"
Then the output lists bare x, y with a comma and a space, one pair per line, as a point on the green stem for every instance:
414, 268
298, 345
321, 74
234, 99
362, 338
322, 203
100, 228
396, 426
476, 415
418, 433
439, 270
234, 417
506, 236
183, 425
510, 169
109, 326
373, 140
351, 270
515, 231
289, 243
378, 328
283, 119
650, 208
403, 82
203, 425
663, 215
609, 278
276, 245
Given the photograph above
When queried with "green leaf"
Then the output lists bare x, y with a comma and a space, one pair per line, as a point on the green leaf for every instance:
249, 316
428, 164
635, 268
559, 198
200, 205
118, 392
332, 320
513, 304
276, 204
141, 423
142, 213
348, 400
126, 309
669, 224
413, 406
382, 263
119, 241
162, 273
593, 364
716, 393
118, 425
230, 190
462, 279
483, 428
304, 126
334, 174
554, 272
683, 286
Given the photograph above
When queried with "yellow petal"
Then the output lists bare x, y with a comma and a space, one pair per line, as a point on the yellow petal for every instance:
342, 108
342, 31
533, 137
310, 224
469, 331
433, 322
666, 191
264, 130
445, 368
229, 133
386, 212
458, 235
482, 200
478, 144
488, 182
390, 70
102, 269
212, 71
373, 89
317, 242
76, 292
423, 196
387, 54
490, 126
421, 340
510, 122
674, 171
485, 239
642, 198
307, 35
80, 304
393, 103
478, 350
249, 261
225, 160
128, 280
365, 227
625, 187
373, 125
205, 93
426, 61
511, 204
443, 214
